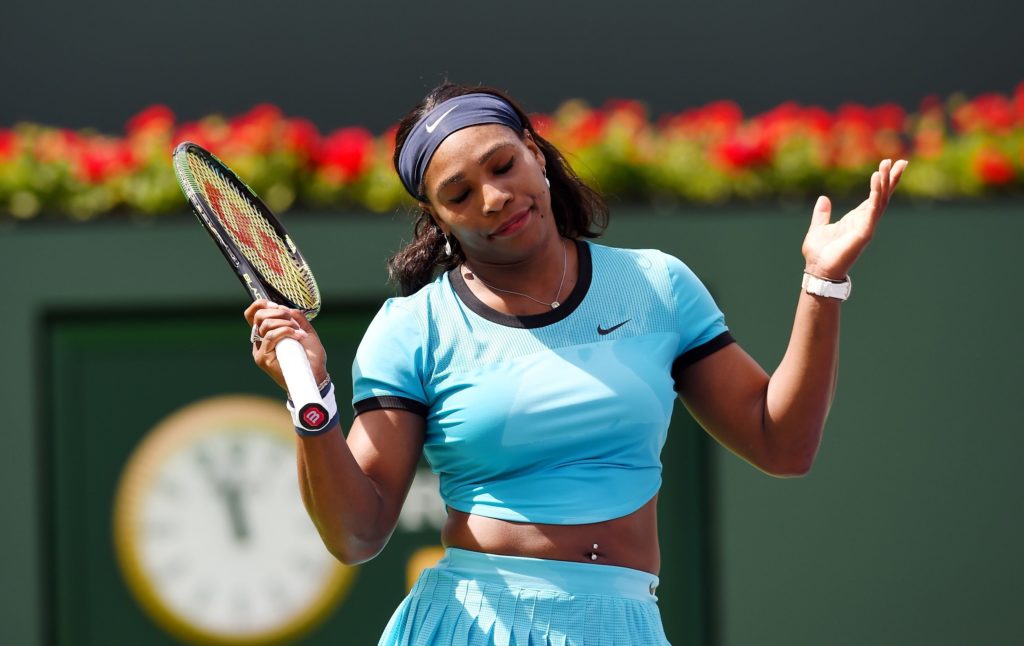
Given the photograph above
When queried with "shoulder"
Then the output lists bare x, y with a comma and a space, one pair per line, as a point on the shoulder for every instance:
645, 264
418, 321
415, 306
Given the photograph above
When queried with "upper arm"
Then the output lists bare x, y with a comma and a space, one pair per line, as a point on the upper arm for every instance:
721, 385
725, 392
387, 444
390, 401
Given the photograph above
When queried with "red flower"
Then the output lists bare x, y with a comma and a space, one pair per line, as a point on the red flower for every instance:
713, 121
588, 130
890, 116
542, 124
255, 130
263, 112
154, 118
993, 166
54, 146
817, 120
930, 103
928, 143
202, 133
389, 139
855, 116
789, 119
725, 114
632, 107
100, 159
8, 144
744, 150
302, 137
991, 113
346, 153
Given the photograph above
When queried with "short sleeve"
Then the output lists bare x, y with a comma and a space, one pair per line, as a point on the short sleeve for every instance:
702, 329
388, 369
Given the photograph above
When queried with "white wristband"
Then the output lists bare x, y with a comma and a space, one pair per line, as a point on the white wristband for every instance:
306, 430
827, 288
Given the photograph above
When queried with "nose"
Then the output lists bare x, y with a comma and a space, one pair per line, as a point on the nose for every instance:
496, 197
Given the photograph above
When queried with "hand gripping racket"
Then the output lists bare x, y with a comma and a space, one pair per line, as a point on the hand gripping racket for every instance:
262, 254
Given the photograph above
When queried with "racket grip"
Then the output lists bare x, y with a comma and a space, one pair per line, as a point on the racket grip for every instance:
298, 376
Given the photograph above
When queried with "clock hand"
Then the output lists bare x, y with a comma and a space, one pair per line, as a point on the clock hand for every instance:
232, 494
206, 466
229, 492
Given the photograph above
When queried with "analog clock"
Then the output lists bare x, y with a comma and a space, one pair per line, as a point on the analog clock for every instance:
210, 531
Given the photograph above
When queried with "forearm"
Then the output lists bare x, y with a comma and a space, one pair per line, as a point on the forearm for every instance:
341, 499
800, 390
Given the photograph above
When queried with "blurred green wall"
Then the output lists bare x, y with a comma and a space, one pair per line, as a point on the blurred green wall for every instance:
906, 531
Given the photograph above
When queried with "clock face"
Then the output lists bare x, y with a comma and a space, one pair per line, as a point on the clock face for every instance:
211, 532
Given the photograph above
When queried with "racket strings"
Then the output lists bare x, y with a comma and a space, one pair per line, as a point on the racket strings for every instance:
255, 238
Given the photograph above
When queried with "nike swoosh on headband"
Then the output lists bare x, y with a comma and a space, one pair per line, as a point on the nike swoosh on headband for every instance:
431, 126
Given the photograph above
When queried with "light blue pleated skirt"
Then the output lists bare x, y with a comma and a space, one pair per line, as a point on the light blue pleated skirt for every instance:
477, 599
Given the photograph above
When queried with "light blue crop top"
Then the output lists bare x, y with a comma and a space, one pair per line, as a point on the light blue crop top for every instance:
552, 418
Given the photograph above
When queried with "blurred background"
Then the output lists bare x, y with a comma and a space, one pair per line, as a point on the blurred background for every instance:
132, 471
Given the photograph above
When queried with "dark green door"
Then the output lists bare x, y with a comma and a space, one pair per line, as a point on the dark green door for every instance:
114, 376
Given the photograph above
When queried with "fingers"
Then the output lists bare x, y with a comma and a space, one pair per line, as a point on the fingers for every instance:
897, 173
890, 173
883, 184
280, 331
262, 311
257, 306
875, 196
250, 312
271, 323
822, 212
273, 330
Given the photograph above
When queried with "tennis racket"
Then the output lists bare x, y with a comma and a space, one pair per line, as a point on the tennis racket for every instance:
263, 256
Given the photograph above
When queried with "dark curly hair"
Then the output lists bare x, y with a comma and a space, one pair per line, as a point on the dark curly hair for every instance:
579, 211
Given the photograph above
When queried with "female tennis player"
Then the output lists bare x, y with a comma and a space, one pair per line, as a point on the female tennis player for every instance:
537, 371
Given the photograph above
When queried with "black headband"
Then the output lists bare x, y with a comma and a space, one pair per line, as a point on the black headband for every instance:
448, 117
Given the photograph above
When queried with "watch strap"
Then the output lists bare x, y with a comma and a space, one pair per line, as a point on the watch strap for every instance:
839, 290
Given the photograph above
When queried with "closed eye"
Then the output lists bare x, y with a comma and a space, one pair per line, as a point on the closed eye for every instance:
501, 170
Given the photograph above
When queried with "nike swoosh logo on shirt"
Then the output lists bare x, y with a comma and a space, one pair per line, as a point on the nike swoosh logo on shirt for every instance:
432, 126
602, 331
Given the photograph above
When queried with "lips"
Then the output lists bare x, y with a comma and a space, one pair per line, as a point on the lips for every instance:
512, 225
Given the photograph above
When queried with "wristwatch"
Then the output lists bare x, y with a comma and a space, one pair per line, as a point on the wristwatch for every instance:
827, 288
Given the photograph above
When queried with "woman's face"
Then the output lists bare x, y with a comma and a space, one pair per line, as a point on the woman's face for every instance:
486, 186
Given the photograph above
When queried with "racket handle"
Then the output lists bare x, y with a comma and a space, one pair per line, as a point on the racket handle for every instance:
298, 375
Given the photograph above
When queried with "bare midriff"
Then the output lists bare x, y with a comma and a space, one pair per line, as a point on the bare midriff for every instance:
630, 541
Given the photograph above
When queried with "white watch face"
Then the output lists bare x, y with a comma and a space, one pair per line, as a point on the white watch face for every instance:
211, 528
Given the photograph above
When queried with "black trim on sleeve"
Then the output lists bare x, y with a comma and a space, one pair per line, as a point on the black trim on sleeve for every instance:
693, 355
390, 401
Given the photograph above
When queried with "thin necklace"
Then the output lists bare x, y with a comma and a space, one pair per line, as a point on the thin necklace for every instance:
553, 304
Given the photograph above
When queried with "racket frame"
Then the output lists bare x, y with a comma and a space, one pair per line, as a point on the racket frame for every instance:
295, 366
248, 276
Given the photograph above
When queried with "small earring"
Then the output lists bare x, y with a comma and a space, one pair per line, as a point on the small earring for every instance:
447, 245
546, 180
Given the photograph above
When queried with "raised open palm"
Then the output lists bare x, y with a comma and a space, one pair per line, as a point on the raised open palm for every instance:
831, 248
